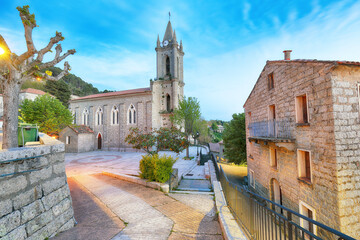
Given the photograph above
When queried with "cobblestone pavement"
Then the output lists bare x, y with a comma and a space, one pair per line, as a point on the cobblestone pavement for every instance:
151, 214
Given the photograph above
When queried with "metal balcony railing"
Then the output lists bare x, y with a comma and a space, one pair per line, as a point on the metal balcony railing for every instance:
263, 219
271, 129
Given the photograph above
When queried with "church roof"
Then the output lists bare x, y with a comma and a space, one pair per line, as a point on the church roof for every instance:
111, 94
169, 32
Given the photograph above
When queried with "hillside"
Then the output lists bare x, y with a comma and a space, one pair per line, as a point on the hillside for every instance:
77, 86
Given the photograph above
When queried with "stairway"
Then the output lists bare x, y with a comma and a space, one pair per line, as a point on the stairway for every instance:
195, 181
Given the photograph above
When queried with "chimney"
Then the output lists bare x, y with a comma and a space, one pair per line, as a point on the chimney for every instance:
287, 54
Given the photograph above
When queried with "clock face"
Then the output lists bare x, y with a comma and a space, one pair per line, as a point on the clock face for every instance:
166, 43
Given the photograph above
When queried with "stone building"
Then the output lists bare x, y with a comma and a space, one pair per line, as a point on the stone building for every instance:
111, 115
77, 138
303, 139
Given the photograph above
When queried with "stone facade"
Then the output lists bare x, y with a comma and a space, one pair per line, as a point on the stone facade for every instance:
331, 136
35, 200
150, 107
77, 139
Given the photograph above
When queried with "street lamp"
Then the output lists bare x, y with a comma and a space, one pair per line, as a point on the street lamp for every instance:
197, 145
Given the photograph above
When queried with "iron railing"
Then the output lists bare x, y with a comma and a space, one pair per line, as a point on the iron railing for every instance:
271, 129
261, 218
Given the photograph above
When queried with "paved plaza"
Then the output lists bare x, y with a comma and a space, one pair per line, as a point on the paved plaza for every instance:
116, 209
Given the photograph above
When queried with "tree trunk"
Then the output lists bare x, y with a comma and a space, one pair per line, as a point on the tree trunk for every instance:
11, 91
187, 149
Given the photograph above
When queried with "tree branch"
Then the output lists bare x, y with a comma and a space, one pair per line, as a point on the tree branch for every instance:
29, 23
57, 58
54, 40
58, 77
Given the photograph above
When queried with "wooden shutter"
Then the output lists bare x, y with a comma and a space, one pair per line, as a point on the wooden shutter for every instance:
304, 109
307, 166
310, 215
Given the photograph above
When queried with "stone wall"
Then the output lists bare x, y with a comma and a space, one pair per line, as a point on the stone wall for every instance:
345, 80
35, 201
113, 136
293, 79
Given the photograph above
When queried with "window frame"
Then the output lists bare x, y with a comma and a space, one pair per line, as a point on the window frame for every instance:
99, 117
85, 117
67, 140
303, 205
302, 169
273, 157
114, 116
271, 81
131, 115
297, 102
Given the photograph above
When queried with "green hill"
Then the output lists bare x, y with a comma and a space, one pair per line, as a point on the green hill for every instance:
77, 86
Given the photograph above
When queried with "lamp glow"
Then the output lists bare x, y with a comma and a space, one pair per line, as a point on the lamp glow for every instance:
2, 51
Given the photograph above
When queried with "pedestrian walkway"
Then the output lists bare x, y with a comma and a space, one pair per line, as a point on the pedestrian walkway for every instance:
150, 214
195, 180
94, 220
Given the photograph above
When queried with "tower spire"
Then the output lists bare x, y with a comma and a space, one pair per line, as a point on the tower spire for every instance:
158, 41
174, 37
169, 32
181, 46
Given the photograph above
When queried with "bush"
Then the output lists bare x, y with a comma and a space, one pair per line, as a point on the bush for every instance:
156, 168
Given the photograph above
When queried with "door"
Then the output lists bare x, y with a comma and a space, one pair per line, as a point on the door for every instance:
99, 141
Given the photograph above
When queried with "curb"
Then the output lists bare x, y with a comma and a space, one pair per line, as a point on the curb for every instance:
155, 185
230, 228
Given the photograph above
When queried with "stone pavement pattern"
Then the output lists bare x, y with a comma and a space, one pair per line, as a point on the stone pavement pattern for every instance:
150, 214
95, 220
119, 162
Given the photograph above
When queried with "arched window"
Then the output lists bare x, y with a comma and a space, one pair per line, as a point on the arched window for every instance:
167, 65
131, 115
114, 116
85, 117
99, 116
168, 106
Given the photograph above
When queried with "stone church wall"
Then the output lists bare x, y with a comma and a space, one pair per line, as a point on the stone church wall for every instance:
35, 201
113, 136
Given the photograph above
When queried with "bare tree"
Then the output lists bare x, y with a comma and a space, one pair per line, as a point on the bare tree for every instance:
14, 70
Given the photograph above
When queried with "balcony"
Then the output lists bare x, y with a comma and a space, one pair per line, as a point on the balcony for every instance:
271, 130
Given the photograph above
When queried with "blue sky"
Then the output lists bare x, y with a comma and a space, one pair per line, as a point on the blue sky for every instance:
226, 43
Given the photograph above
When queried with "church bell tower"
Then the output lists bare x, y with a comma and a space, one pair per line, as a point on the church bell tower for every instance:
168, 86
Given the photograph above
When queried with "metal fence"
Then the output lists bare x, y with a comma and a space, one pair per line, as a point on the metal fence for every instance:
270, 129
261, 218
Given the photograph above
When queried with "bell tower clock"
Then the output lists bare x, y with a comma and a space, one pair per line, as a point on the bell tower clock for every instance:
168, 86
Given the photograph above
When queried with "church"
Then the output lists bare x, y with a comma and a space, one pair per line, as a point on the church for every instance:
111, 115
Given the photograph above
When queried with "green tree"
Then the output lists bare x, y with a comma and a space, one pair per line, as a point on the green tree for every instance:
214, 126
59, 89
186, 116
235, 139
46, 111
158, 140
201, 127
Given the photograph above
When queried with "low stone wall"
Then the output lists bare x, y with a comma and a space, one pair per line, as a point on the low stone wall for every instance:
35, 201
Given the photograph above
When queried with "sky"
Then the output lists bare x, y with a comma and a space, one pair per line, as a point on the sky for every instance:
226, 43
